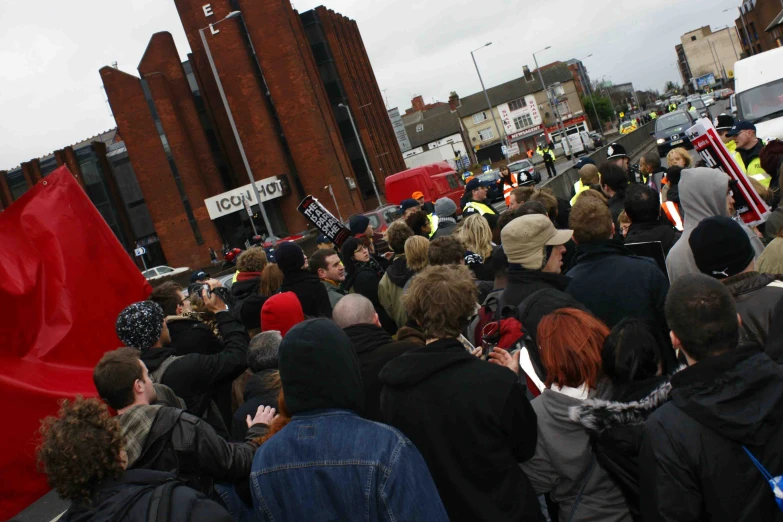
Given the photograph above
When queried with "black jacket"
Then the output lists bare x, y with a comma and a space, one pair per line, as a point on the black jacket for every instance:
472, 424
248, 302
756, 296
523, 283
257, 393
693, 466
614, 284
364, 280
310, 291
127, 499
190, 335
196, 378
182, 443
374, 348
616, 206
660, 230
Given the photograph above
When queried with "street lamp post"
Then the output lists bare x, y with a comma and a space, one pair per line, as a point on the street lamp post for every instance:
334, 198
595, 111
502, 136
549, 96
233, 14
361, 148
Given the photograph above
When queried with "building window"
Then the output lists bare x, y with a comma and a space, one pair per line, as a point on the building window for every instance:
693, 38
481, 116
562, 108
486, 134
419, 127
16, 183
753, 30
517, 104
523, 122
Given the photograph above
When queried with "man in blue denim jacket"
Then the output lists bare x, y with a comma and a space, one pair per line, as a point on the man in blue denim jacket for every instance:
329, 463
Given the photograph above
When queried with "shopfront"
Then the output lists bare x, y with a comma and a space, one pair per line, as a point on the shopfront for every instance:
529, 139
572, 126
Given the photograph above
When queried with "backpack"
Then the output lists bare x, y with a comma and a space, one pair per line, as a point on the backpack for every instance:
159, 508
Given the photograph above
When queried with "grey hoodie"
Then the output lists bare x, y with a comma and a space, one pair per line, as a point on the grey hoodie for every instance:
702, 194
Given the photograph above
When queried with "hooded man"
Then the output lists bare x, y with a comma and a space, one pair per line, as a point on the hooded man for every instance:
381, 475
397, 275
306, 285
703, 193
722, 250
703, 451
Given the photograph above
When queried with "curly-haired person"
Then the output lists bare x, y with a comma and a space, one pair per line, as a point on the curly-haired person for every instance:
83, 457
469, 419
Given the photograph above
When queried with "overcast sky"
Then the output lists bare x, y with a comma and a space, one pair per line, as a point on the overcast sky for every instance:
50, 51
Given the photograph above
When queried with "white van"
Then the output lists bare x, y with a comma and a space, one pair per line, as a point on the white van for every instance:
758, 87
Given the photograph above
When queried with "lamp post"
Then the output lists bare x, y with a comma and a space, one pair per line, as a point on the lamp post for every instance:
595, 111
502, 136
361, 148
334, 198
233, 14
564, 137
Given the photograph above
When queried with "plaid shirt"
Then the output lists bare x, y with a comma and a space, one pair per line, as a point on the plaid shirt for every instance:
136, 424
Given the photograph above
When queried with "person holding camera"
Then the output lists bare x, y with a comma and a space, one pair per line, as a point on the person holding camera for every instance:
195, 377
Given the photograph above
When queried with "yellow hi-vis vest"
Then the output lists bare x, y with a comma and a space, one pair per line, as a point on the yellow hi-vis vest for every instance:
578, 188
481, 208
753, 170
433, 223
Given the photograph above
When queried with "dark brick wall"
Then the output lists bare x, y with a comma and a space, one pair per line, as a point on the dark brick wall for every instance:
149, 161
760, 17
67, 157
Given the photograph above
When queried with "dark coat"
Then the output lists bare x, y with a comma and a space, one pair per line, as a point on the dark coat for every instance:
178, 441
660, 230
364, 280
692, 461
616, 206
310, 291
127, 499
756, 296
613, 284
257, 393
196, 378
248, 302
374, 348
472, 424
523, 282
190, 335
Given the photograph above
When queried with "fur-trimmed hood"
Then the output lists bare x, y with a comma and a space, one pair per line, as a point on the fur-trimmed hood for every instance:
597, 415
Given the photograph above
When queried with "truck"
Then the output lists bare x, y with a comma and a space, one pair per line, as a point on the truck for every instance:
435, 181
758, 88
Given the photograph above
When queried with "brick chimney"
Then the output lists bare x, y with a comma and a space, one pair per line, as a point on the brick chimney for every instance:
454, 102
527, 73
417, 103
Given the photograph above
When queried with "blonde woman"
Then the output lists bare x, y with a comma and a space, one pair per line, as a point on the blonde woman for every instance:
679, 157
416, 253
476, 235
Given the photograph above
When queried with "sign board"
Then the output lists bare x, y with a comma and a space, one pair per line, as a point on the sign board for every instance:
622, 115
399, 130
140, 251
751, 208
324, 220
513, 149
233, 200
504, 149
704, 81
527, 132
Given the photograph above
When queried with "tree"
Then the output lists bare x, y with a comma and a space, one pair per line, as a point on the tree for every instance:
671, 86
602, 105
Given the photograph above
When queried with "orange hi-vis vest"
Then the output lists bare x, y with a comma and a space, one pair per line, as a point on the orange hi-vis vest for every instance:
672, 211
507, 189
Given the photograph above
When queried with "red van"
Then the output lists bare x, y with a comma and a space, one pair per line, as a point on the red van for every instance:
434, 181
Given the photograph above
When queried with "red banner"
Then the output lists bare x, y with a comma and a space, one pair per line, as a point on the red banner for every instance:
752, 209
65, 279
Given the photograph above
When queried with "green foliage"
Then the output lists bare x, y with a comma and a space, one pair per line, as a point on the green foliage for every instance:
603, 106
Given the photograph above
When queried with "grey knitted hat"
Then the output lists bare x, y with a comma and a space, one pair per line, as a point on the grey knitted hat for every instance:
140, 324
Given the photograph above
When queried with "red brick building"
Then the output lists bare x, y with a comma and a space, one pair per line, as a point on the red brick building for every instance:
285, 77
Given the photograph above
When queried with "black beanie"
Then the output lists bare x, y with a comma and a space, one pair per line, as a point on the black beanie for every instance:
721, 247
319, 368
289, 257
140, 325
358, 224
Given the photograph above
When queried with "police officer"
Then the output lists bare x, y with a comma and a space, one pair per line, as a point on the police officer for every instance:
723, 124
549, 160
692, 110
476, 196
748, 150
615, 153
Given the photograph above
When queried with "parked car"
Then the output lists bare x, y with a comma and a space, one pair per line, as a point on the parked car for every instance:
382, 217
670, 131
526, 172
627, 127
724, 94
435, 181
698, 104
159, 272
598, 140
708, 100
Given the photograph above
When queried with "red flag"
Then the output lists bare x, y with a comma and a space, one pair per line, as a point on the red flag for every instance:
65, 279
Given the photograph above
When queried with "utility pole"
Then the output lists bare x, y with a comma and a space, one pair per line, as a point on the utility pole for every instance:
550, 96
501, 136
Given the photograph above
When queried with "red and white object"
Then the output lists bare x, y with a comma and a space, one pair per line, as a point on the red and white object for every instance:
751, 208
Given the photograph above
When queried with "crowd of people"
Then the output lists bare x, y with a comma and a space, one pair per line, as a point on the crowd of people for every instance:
527, 365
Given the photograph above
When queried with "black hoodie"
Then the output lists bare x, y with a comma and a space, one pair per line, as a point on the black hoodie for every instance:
472, 424
693, 466
310, 291
319, 369
374, 348
659, 230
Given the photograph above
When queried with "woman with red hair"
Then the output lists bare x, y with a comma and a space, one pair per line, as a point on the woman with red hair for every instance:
564, 464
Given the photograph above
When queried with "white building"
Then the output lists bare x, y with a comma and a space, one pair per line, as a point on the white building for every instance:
436, 135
